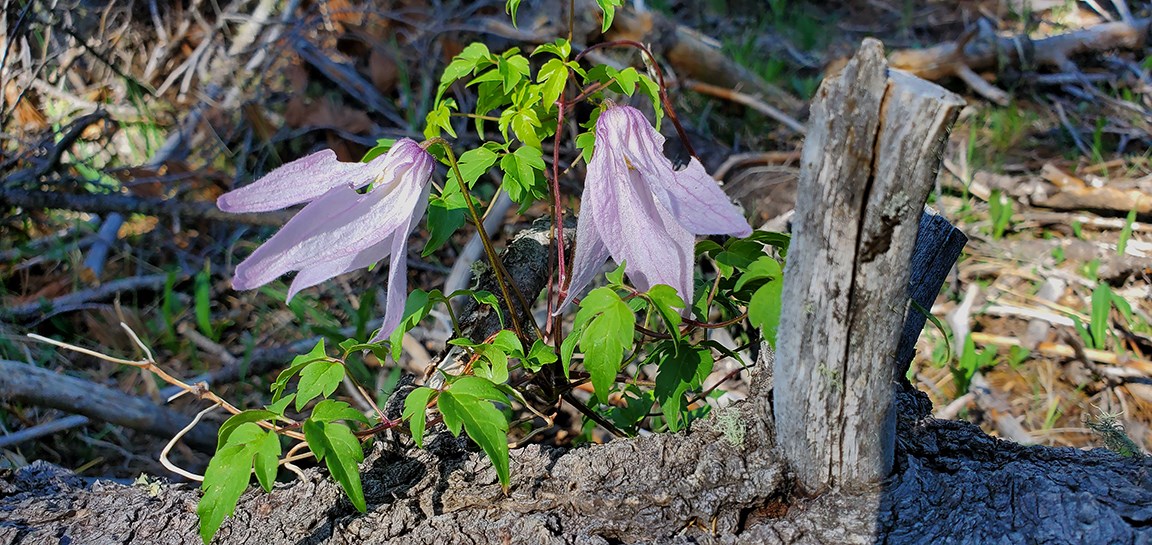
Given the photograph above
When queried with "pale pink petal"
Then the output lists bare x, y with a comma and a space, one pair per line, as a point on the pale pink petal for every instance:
279, 254
342, 223
315, 274
691, 195
694, 199
636, 230
591, 253
300, 181
397, 290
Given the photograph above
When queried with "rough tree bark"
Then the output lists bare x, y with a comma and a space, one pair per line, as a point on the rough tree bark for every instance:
721, 482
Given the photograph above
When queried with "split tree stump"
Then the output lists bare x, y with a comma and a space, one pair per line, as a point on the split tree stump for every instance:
872, 154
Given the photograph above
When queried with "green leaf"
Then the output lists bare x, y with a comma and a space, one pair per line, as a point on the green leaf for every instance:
538, 356
666, 301
651, 90
568, 347
609, 8
510, 8
626, 79
298, 363
524, 123
475, 162
681, 368
224, 481
230, 470
508, 342
586, 143
1101, 308
440, 119
608, 331
488, 298
561, 48
335, 445
267, 455
616, 277
331, 410
281, 405
415, 309
512, 71
492, 365
382, 146
443, 221
472, 57
415, 406
520, 174
236, 420
553, 76
318, 379
470, 402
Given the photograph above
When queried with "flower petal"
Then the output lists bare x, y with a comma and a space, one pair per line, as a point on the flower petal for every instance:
591, 253
397, 294
300, 181
635, 229
280, 253
342, 223
694, 199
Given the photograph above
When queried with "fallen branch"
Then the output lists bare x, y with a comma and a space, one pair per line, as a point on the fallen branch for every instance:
25, 384
80, 298
133, 205
980, 49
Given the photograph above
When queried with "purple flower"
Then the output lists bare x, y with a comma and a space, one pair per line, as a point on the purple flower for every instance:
640, 211
340, 230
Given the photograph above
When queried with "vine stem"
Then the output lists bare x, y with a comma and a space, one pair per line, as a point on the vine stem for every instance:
498, 267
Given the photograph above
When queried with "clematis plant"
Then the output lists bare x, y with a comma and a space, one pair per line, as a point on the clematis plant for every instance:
341, 229
638, 210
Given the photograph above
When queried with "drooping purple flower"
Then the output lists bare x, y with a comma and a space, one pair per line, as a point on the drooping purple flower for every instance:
340, 230
640, 211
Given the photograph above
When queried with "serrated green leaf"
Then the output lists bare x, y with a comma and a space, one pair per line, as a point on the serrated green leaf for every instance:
608, 331
331, 410
443, 221
440, 119
764, 309
469, 402
552, 77
525, 123
335, 445
319, 378
298, 363
224, 481
681, 368
669, 305
475, 162
230, 469
512, 71
651, 90
236, 420
508, 342
609, 8
627, 79
538, 356
492, 365
281, 405
561, 48
267, 457
472, 57
415, 406
586, 143
520, 173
